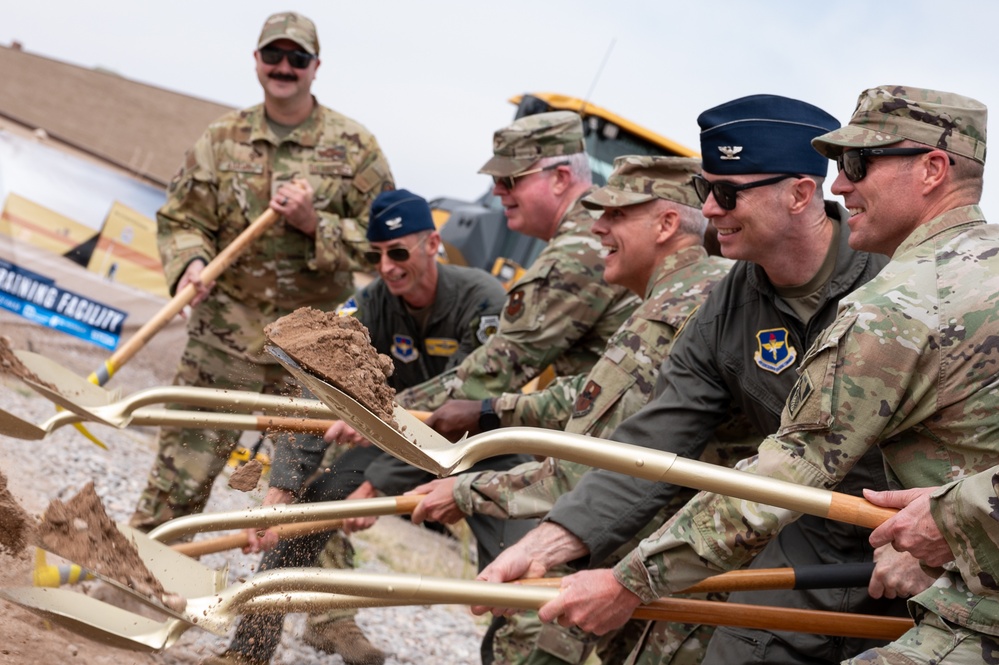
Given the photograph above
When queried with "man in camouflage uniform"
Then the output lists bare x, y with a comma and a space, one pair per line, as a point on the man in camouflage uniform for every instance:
560, 312
908, 366
795, 266
652, 229
320, 171
426, 317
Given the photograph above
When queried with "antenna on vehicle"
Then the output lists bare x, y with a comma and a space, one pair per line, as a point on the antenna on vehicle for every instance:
600, 70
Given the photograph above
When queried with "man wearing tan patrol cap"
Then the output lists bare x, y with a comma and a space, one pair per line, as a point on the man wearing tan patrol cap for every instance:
320, 171
909, 365
651, 230
562, 311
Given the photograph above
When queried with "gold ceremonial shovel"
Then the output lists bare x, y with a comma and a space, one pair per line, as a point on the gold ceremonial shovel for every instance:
283, 591
424, 448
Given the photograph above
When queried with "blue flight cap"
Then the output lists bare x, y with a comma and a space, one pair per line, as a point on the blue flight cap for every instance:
764, 134
398, 213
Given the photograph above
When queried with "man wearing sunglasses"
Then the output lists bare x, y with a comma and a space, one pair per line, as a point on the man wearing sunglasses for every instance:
561, 311
907, 366
426, 316
320, 171
761, 189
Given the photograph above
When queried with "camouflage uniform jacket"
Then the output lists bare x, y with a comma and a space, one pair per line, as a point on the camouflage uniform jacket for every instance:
715, 368
908, 366
227, 181
561, 312
965, 512
618, 385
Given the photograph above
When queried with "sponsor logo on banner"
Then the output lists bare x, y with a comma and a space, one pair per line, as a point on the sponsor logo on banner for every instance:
40, 300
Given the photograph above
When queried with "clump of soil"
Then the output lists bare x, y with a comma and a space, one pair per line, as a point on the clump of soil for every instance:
338, 348
81, 531
246, 477
12, 365
16, 525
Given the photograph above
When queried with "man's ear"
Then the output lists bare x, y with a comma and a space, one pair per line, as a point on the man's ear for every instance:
801, 192
669, 222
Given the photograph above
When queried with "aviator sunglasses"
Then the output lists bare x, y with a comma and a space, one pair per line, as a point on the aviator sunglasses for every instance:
725, 192
509, 181
853, 163
272, 55
397, 254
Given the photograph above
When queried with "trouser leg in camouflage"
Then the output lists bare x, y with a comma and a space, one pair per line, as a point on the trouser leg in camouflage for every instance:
188, 460
933, 640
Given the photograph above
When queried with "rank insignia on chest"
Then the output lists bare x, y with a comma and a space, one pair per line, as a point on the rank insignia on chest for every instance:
775, 353
403, 348
514, 306
584, 402
488, 325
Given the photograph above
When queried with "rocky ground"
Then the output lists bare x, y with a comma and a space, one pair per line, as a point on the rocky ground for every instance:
63, 462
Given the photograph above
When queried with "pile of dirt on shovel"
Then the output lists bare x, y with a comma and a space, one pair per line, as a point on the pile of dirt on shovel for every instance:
338, 349
81, 531
10, 364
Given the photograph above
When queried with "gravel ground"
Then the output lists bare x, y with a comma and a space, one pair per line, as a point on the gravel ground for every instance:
59, 465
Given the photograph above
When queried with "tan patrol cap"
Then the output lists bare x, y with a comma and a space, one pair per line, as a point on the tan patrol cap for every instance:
892, 113
293, 26
528, 139
637, 179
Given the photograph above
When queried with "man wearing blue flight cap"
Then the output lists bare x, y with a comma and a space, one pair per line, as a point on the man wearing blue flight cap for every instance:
427, 317
761, 188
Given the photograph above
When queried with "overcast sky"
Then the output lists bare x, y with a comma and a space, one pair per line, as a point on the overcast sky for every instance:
431, 78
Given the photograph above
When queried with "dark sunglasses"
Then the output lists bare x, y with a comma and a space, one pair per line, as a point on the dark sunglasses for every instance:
510, 181
725, 192
272, 55
853, 163
397, 254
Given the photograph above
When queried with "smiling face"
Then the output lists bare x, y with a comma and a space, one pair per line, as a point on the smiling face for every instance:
282, 81
415, 279
532, 205
883, 209
631, 236
753, 231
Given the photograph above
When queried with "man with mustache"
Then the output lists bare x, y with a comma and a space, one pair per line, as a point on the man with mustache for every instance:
320, 171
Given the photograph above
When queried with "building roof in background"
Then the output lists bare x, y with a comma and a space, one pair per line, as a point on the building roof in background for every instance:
135, 126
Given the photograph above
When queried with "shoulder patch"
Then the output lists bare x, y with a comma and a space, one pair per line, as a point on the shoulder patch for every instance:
774, 351
514, 306
799, 394
584, 402
488, 325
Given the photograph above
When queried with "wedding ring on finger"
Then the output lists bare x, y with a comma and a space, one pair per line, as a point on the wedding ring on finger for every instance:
284, 201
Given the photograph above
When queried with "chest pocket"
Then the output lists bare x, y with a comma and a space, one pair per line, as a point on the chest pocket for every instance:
524, 309
810, 404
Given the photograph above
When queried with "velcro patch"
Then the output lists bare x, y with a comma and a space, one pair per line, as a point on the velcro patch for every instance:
799, 394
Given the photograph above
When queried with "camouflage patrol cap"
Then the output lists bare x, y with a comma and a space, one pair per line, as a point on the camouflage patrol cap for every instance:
892, 113
525, 141
293, 26
637, 179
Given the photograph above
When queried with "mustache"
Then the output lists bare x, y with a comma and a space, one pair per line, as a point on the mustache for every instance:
282, 76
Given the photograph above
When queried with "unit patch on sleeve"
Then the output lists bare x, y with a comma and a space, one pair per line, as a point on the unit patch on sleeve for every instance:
584, 402
403, 348
514, 305
488, 325
775, 354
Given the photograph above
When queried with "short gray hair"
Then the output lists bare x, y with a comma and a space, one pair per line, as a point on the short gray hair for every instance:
578, 162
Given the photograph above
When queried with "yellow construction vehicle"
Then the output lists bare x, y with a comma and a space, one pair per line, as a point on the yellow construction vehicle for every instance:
475, 233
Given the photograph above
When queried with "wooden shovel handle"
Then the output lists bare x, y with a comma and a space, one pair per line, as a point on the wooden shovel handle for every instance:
403, 505
819, 622
210, 272
859, 511
819, 576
